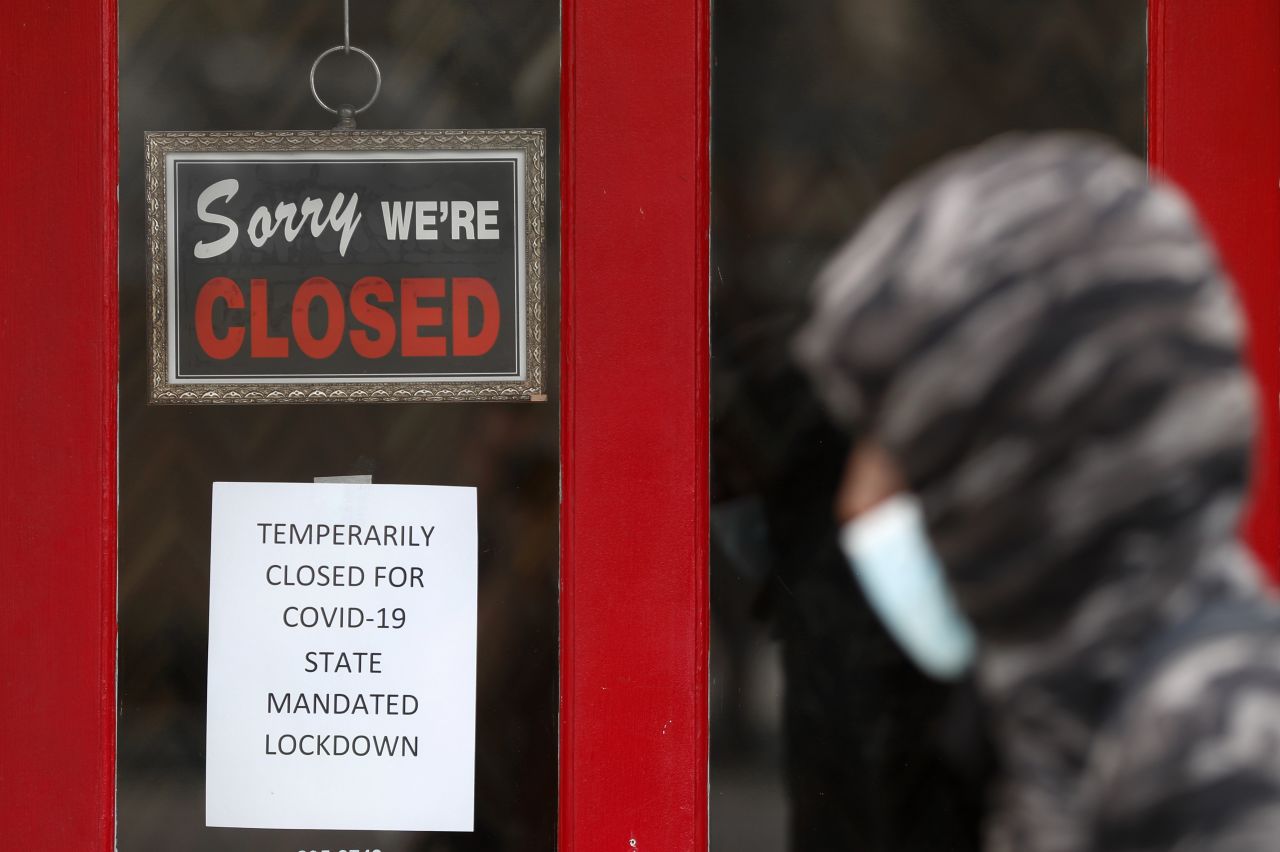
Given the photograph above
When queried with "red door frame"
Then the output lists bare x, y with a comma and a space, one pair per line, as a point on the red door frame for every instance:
634, 421
634, 630
635, 195
1213, 125
58, 372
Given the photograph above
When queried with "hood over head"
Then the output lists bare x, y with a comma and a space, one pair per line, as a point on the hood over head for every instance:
1044, 339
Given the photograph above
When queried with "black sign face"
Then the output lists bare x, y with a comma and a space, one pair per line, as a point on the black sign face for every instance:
348, 265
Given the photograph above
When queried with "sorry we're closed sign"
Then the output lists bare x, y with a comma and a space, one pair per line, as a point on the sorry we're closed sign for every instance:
346, 265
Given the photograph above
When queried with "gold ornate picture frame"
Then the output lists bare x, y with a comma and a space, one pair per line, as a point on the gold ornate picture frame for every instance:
303, 159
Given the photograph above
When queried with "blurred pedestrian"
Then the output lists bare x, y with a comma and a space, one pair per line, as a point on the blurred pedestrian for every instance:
1037, 354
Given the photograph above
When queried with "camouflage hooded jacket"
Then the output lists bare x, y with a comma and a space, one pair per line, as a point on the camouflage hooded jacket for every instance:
1044, 339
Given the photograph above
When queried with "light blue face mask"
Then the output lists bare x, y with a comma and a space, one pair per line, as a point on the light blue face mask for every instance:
894, 562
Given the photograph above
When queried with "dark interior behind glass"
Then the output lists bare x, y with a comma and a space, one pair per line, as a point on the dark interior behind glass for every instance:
823, 735
242, 64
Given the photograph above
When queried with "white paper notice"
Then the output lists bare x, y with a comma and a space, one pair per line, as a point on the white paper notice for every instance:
342, 657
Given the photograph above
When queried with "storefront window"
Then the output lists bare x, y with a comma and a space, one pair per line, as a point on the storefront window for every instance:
823, 735
244, 66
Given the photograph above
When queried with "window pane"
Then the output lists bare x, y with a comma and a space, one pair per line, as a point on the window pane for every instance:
243, 65
823, 735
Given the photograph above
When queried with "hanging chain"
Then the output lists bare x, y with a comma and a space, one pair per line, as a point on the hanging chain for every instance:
346, 112
346, 26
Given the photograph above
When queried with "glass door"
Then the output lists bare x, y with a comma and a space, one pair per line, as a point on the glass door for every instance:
823, 735
626, 750
244, 66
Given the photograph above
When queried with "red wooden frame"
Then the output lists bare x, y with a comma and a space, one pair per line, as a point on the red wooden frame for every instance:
1213, 103
58, 368
635, 196
634, 641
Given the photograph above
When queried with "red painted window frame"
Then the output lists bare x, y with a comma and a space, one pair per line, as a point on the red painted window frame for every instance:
634, 198
634, 425
1213, 126
58, 378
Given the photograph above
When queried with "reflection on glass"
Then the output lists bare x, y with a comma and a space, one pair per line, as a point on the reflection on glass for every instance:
196, 66
823, 735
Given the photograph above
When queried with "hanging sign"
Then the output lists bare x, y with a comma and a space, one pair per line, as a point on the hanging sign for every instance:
342, 657
348, 265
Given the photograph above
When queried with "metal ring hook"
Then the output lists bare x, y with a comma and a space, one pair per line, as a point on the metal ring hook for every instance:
377, 75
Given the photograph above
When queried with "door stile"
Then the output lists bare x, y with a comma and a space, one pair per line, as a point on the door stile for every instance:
58, 381
634, 434
1214, 127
